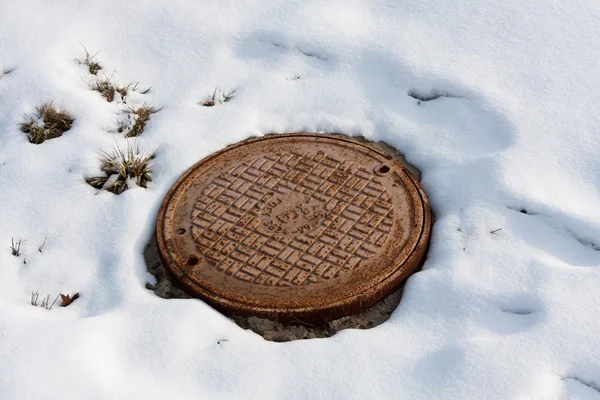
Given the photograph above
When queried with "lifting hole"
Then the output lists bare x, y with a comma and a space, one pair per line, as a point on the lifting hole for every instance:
180, 231
192, 260
383, 169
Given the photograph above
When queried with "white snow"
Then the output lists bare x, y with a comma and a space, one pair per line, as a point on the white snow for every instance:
506, 315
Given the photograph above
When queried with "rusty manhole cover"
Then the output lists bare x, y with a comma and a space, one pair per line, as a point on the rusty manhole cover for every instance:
294, 227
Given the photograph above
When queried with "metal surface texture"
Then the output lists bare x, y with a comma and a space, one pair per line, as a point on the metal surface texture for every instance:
294, 227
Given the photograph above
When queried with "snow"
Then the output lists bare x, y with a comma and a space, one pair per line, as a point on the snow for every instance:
505, 315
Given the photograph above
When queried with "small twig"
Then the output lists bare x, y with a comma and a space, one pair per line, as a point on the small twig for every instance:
5, 72
53, 302
496, 230
222, 341
43, 244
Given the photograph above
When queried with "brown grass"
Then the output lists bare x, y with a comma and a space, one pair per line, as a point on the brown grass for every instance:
140, 115
122, 165
218, 97
48, 122
108, 87
90, 62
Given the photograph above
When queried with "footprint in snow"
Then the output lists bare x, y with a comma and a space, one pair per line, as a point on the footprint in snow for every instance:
560, 238
272, 44
578, 387
516, 313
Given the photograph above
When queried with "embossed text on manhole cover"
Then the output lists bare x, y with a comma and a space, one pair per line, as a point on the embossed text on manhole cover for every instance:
304, 227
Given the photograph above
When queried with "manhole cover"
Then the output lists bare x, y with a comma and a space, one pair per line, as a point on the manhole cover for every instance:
294, 227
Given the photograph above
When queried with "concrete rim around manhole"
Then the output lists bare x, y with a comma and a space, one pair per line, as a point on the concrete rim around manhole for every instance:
294, 227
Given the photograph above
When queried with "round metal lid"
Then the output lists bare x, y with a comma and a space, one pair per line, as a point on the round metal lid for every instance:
294, 227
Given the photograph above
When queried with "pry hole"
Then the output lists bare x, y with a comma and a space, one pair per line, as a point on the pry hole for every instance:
180, 231
192, 260
383, 169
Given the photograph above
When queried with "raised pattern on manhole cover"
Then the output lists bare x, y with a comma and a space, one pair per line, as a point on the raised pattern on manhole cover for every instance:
292, 219
294, 226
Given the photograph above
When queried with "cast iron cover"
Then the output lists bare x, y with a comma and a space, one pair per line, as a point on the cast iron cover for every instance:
294, 227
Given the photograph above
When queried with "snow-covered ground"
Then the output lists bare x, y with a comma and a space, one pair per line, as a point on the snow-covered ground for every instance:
507, 315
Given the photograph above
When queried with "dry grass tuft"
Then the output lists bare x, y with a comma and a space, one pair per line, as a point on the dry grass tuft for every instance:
120, 167
48, 122
90, 62
218, 97
209, 101
108, 87
135, 119
35, 295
